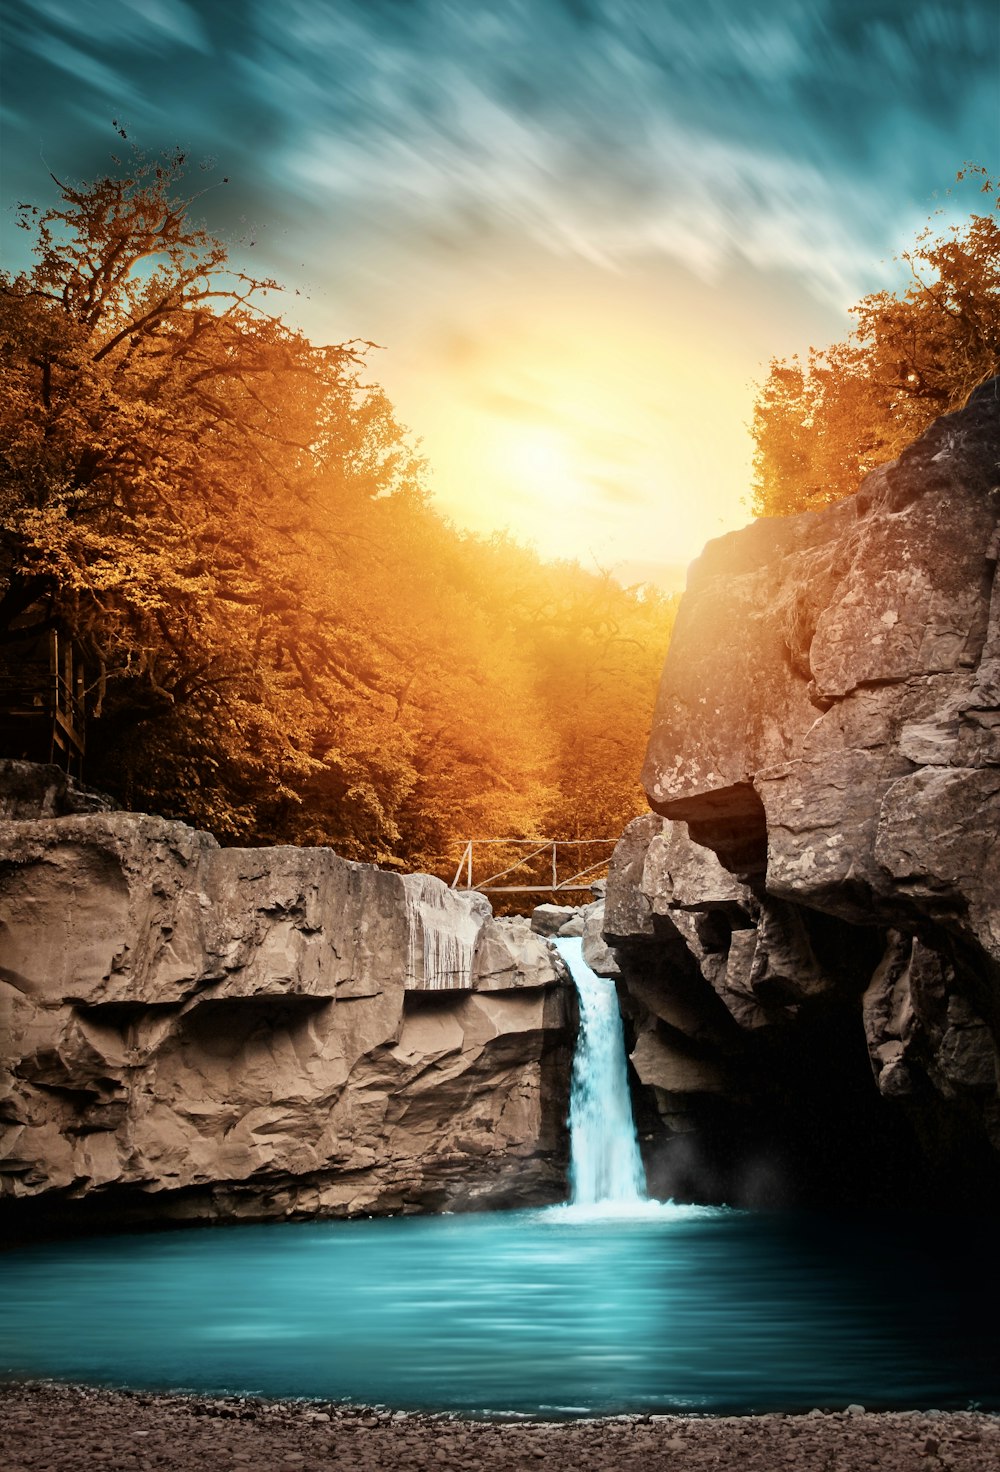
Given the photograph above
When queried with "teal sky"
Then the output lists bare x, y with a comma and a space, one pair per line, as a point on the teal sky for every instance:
580, 228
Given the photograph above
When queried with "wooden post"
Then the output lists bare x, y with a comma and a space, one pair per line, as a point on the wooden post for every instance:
461, 865
469, 870
555, 874
53, 712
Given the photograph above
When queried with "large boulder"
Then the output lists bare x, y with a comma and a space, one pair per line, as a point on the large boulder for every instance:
192, 1031
832, 694
551, 919
37, 790
824, 770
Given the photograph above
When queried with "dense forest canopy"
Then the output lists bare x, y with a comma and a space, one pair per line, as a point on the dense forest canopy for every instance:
821, 425
285, 642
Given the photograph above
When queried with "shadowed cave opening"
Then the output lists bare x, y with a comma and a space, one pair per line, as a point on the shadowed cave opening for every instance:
806, 1127
781, 1108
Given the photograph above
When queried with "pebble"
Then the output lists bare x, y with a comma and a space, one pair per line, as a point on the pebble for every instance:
56, 1428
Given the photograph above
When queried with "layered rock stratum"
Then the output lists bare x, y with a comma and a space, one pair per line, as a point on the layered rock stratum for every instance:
807, 926
192, 1032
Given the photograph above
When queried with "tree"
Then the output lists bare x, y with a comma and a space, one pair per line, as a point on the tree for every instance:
595, 651
287, 642
820, 426
172, 456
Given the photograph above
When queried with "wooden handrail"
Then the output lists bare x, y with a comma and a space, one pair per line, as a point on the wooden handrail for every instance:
538, 847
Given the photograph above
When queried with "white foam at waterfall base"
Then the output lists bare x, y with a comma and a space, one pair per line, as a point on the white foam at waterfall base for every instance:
605, 1166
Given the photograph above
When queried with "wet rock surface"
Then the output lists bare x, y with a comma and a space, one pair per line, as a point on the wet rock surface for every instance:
808, 924
50, 1428
189, 1032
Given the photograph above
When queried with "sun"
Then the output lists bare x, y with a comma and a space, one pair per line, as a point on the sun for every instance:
541, 462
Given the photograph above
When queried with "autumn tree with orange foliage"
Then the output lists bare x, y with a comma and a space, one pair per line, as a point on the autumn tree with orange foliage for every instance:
820, 426
173, 455
286, 642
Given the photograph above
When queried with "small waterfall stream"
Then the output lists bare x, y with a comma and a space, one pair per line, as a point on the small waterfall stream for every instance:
605, 1165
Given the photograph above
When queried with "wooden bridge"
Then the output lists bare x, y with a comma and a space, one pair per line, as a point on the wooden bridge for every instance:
543, 870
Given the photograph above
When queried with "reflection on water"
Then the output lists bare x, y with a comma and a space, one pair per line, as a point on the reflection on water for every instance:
563, 1311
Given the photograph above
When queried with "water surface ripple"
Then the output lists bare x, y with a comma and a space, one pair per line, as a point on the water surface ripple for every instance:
557, 1312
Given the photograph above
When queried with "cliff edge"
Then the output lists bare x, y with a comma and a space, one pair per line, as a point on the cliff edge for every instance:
808, 926
190, 1032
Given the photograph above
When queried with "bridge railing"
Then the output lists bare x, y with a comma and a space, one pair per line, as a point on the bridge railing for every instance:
542, 870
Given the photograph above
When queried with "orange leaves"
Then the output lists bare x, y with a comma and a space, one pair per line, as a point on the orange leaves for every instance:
292, 645
820, 427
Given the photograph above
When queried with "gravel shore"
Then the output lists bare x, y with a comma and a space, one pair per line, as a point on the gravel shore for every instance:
56, 1428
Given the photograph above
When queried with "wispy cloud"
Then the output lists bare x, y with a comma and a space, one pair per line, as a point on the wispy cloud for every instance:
87, 70
520, 408
789, 135
126, 25
615, 130
496, 190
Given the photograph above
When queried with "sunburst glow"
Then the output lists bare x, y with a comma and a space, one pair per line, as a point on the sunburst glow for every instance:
540, 463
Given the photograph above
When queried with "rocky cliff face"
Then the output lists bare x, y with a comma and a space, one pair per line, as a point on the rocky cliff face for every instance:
193, 1032
808, 926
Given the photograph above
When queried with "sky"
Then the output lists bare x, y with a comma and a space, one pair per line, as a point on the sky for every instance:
578, 229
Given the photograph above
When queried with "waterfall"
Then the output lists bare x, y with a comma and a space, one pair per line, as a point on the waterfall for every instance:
605, 1165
